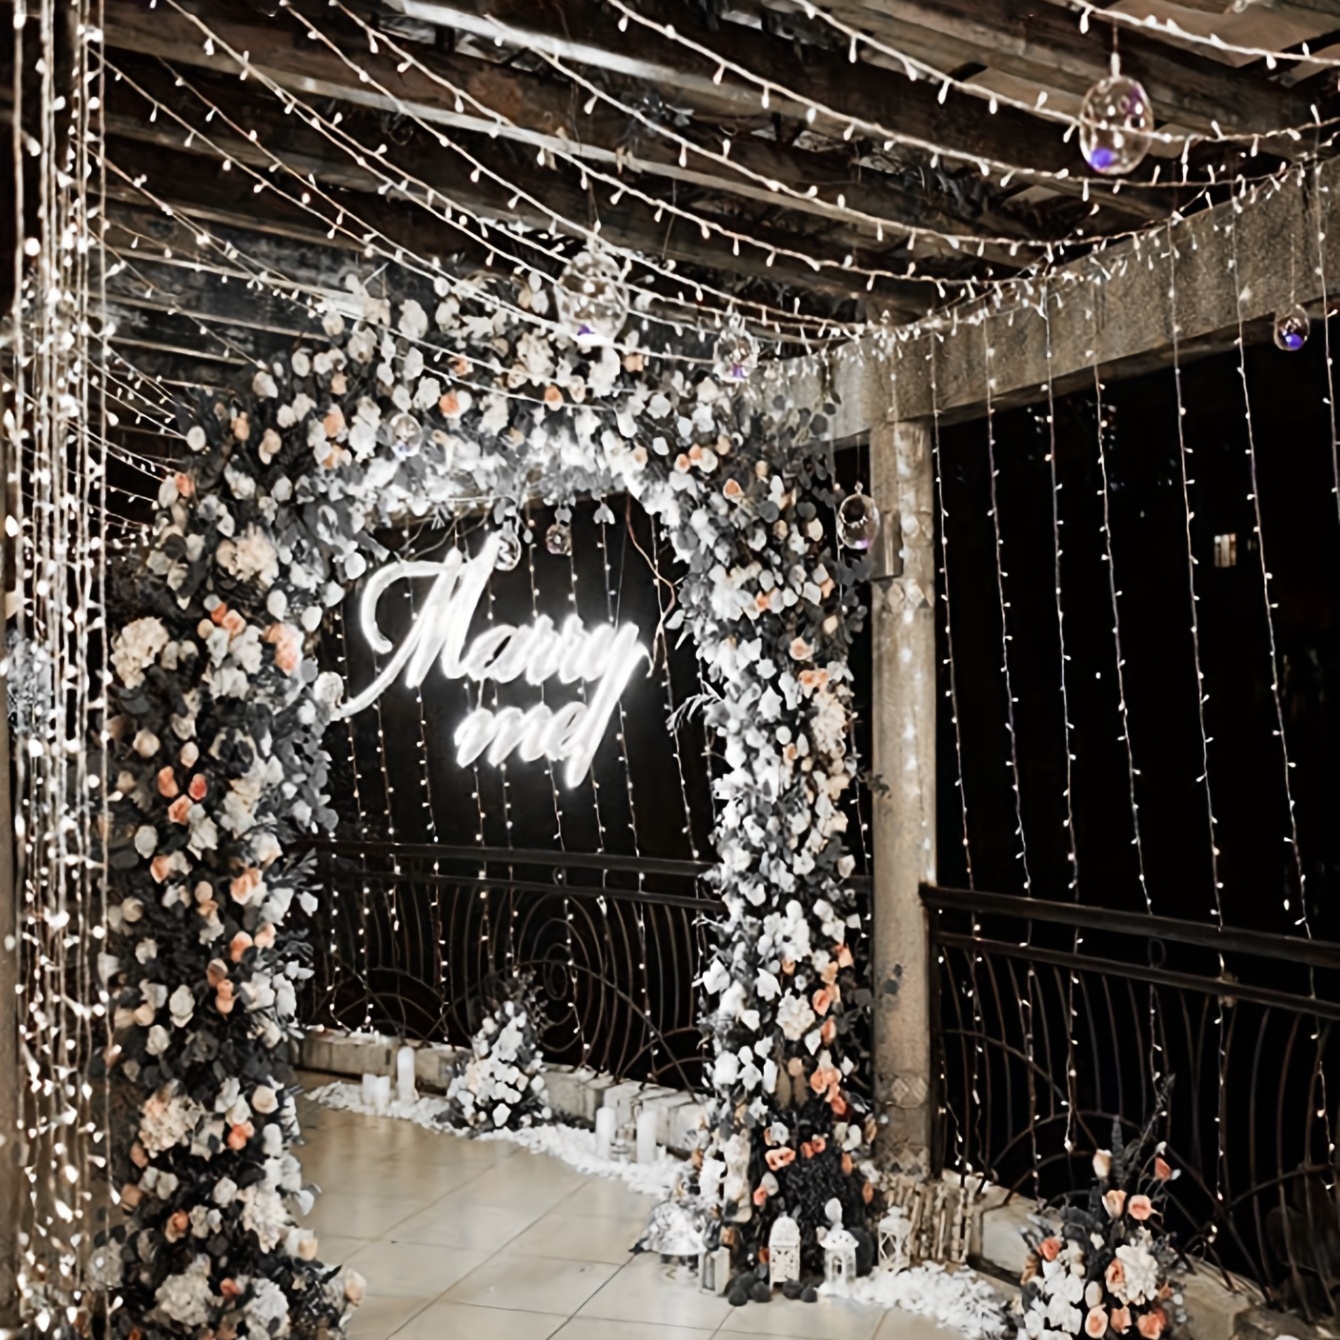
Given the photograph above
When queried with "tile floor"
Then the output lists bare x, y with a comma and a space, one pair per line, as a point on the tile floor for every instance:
466, 1238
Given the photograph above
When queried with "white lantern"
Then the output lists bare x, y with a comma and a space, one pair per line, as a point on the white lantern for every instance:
894, 1230
783, 1251
839, 1260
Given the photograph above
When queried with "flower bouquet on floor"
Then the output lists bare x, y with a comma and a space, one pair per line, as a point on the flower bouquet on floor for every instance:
1107, 1271
500, 1085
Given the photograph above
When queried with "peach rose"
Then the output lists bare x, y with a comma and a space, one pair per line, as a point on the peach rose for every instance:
223, 998
827, 1032
1161, 1169
242, 427
1049, 1248
244, 885
780, 1157
449, 404
166, 781
180, 809
265, 937
287, 644
801, 650
197, 788
1115, 1276
818, 1144
460, 366
837, 1102
138, 1156
762, 600
185, 484
848, 1163
844, 957
1095, 1324
239, 945
1140, 1208
822, 999
683, 464
218, 613
1114, 1202
160, 867
131, 1195
1121, 1320
217, 972
233, 623
240, 1134
179, 1223
1151, 1324
333, 423
824, 1079
761, 1196
230, 1289
634, 362
553, 397
732, 490
867, 1192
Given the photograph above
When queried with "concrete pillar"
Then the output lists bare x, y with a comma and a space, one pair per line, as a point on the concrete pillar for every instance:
903, 834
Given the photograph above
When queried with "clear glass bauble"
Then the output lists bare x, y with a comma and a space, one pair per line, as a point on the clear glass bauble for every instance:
509, 550
858, 521
406, 435
591, 298
1291, 330
558, 539
736, 355
1115, 124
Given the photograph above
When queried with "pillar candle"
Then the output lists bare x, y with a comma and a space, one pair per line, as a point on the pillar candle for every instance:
404, 1075
370, 1091
648, 1127
604, 1131
381, 1093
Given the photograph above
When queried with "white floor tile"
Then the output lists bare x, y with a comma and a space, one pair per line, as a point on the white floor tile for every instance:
380, 1318
581, 1237
531, 1284
596, 1328
828, 1319
412, 1270
643, 1290
447, 1321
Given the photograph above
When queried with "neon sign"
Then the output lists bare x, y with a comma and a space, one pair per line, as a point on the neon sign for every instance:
604, 656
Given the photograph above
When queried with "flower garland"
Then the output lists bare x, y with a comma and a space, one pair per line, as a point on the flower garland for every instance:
217, 715
1107, 1272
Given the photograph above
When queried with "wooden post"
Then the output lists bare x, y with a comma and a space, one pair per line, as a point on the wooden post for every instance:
903, 626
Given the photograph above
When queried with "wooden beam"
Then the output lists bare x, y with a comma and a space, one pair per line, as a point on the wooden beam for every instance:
630, 223
584, 32
544, 114
1122, 325
1042, 43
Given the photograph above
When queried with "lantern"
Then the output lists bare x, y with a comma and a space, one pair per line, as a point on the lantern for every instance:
894, 1231
783, 1251
839, 1260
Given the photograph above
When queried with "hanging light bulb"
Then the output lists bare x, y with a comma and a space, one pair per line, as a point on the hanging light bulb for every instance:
406, 435
509, 548
858, 520
1291, 329
1115, 122
736, 354
591, 298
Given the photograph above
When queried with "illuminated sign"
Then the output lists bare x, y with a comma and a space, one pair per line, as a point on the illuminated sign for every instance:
604, 657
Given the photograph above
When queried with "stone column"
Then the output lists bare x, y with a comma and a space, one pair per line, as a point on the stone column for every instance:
903, 834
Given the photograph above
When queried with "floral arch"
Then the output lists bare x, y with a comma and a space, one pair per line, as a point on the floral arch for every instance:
216, 751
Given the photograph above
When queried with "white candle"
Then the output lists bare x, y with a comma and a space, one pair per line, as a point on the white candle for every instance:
381, 1093
370, 1091
404, 1075
648, 1127
604, 1131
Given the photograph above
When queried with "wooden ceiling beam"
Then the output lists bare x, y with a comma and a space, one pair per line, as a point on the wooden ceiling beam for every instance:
1042, 43
587, 33
545, 115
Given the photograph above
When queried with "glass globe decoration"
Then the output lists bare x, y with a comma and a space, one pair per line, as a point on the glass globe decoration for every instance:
1115, 125
1291, 330
736, 354
591, 298
858, 521
509, 550
558, 539
406, 435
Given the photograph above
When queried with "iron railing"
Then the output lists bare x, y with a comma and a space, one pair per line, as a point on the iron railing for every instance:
1053, 1020
416, 939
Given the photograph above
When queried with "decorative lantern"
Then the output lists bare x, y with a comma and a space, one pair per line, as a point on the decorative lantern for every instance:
894, 1231
406, 435
1115, 121
714, 1269
858, 520
839, 1260
783, 1251
591, 298
1291, 330
736, 354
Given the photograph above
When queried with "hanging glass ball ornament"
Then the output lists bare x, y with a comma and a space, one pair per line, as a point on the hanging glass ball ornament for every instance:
591, 297
1291, 330
558, 539
736, 354
509, 549
406, 435
858, 520
1115, 124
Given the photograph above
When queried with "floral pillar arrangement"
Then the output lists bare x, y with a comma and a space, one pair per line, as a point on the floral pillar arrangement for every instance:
218, 708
